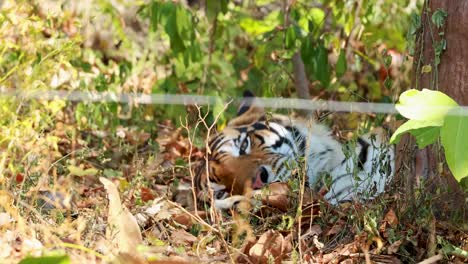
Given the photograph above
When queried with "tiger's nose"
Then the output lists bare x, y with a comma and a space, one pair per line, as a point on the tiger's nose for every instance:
261, 177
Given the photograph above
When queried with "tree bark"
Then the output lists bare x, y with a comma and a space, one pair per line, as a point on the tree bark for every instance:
450, 77
300, 77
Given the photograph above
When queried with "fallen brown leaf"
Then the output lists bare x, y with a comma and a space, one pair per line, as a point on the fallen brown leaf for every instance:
182, 237
188, 219
123, 227
147, 194
393, 248
336, 228
271, 246
391, 218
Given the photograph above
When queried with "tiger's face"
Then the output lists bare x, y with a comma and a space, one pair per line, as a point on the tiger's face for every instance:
236, 160
250, 152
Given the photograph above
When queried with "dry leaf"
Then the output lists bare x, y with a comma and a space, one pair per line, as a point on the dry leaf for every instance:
186, 219
336, 228
271, 246
147, 194
391, 218
393, 248
123, 226
5, 219
182, 237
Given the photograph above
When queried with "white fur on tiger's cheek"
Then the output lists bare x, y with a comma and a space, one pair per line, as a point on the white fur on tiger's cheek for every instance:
229, 147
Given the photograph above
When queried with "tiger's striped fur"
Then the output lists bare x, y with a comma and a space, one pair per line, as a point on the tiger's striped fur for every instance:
256, 149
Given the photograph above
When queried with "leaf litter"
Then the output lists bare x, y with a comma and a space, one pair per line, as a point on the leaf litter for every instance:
151, 219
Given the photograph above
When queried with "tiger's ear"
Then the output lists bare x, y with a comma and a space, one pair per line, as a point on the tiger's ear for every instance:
246, 103
247, 112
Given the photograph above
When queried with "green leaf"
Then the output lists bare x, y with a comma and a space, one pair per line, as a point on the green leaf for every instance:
426, 69
154, 15
453, 135
311, 20
290, 37
259, 56
80, 172
425, 105
183, 23
425, 136
213, 7
109, 173
322, 69
224, 6
258, 27
387, 58
316, 15
438, 17
424, 131
415, 23
46, 260
341, 65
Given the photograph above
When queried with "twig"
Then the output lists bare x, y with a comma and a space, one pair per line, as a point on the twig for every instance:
213, 213
432, 241
192, 176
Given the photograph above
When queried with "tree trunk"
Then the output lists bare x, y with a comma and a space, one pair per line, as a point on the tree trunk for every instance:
450, 77
300, 77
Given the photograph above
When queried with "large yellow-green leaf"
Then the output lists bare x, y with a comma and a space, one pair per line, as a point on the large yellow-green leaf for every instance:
424, 131
425, 105
454, 139
312, 19
258, 27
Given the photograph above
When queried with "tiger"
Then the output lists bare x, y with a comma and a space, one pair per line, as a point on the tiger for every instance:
257, 148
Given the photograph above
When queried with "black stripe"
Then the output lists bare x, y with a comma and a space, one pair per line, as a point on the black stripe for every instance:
278, 143
260, 126
337, 194
275, 162
282, 140
339, 178
241, 129
363, 153
215, 143
298, 137
262, 140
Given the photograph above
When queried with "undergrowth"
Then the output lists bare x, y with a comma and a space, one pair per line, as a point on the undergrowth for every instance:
52, 152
